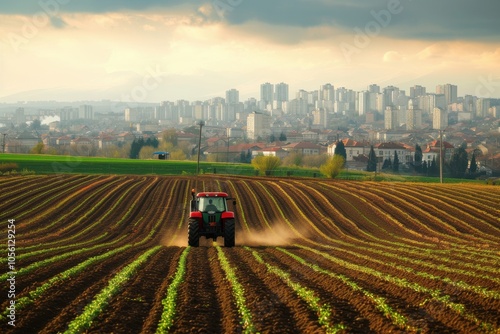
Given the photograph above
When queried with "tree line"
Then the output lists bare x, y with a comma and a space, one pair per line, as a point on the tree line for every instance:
458, 166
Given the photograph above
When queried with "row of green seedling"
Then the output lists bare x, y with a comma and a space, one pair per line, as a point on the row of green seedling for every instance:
24, 301
307, 295
380, 303
101, 300
433, 294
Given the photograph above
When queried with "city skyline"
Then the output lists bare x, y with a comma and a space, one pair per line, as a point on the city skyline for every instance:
195, 50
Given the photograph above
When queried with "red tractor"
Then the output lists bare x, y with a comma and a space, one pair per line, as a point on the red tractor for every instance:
209, 217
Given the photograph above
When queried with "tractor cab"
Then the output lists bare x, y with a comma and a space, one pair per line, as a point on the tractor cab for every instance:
212, 204
209, 217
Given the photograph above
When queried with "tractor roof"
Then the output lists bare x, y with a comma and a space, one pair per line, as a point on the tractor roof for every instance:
212, 194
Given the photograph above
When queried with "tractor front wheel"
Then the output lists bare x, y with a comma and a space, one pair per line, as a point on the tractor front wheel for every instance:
193, 233
229, 233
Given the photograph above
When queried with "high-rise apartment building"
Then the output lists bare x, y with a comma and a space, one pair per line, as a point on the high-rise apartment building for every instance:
417, 91
449, 91
374, 88
439, 119
413, 117
266, 93
391, 94
232, 96
20, 116
428, 102
327, 92
320, 118
280, 95
258, 125
391, 118
482, 106
85, 112
363, 105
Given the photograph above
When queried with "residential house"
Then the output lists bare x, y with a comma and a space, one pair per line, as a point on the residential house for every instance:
125, 137
233, 153
21, 143
305, 148
273, 152
310, 136
82, 145
431, 151
385, 151
353, 148
105, 141
63, 141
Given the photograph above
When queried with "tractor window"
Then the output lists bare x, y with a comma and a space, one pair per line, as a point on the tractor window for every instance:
212, 204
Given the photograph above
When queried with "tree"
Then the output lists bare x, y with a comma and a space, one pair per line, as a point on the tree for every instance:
387, 164
178, 154
395, 164
265, 164
153, 142
170, 136
417, 165
433, 169
36, 125
459, 161
372, 161
272, 138
340, 150
333, 166
293, 159
282, 137
146, 152
473, 164
425, 168
38, 148
135, 148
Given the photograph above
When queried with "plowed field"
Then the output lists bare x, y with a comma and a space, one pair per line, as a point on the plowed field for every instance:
108, 254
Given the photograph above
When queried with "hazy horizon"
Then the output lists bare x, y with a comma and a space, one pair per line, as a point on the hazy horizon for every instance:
158, 50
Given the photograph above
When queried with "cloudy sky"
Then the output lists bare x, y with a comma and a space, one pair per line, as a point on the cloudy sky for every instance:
155, 50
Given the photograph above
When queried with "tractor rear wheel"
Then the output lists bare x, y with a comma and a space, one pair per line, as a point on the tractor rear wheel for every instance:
229, 233
193, 233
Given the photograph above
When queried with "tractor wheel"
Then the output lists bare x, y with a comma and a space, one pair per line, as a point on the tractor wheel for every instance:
193, 233
229, 233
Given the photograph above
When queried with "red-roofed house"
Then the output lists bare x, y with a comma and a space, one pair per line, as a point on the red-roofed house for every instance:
353, 149
385, 151
432, 151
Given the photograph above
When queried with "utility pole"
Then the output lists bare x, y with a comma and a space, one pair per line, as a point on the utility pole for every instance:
3, 143
201, 123
441, 160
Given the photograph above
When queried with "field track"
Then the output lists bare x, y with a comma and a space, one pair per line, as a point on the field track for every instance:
108, 254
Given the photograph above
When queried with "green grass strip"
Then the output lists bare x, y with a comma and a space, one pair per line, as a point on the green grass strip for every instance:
307, 295
169, 302
101, 300
238, 293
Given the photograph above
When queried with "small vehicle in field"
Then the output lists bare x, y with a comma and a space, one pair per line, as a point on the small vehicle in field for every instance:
209, 217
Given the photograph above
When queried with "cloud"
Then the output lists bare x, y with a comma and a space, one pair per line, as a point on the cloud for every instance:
392, 56
401, 19
57, 22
